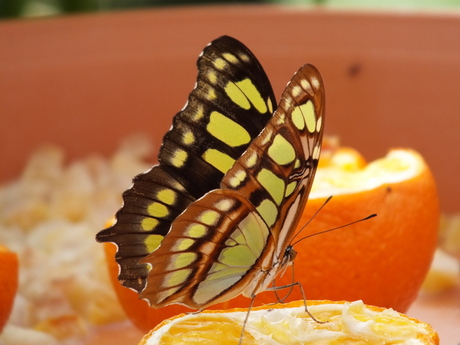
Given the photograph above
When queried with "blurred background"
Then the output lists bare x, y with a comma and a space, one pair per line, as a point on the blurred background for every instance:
37, 8
84, 75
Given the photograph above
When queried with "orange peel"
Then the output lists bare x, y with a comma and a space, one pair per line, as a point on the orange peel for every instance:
9, 268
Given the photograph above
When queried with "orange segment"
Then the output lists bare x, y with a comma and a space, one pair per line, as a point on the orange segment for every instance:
350, 323
381, 261
8, 283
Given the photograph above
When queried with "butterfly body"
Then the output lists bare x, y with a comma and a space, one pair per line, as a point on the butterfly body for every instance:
230, 187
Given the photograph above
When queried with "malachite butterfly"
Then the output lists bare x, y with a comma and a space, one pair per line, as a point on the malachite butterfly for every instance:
215, 218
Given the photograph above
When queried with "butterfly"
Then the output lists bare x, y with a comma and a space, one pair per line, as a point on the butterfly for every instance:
216, 216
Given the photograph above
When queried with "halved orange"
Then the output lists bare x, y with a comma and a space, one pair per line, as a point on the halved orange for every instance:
381, 261
384, 260
343, 323
8, 283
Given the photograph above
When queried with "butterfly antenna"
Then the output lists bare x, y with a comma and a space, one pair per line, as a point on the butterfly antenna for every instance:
333, 229
313, 217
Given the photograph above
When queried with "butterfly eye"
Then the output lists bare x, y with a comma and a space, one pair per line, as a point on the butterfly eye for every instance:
290, 253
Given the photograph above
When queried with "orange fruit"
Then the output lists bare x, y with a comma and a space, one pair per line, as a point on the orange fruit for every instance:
384, 260
8, 283
381, 261
350, 323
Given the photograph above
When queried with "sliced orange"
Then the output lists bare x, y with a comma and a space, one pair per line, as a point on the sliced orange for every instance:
8, 283
381, 261
345, 323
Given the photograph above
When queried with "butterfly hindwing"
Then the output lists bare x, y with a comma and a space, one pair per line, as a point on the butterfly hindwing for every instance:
230, 104
208, 252
234, 240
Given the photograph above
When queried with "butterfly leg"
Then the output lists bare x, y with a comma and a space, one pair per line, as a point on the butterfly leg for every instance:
253, 297
283, 299
194, 312
291, 285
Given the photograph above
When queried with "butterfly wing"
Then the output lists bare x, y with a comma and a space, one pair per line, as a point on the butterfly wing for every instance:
277, 170
208, 252
234, 240
230, 104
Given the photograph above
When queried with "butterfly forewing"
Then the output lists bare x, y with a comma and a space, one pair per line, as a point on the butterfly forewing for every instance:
277, 170
235, 240
230, 104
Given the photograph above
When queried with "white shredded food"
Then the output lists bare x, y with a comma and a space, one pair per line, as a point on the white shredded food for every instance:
347, 323
49, 216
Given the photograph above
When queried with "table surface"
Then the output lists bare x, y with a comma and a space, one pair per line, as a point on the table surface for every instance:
442, 311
